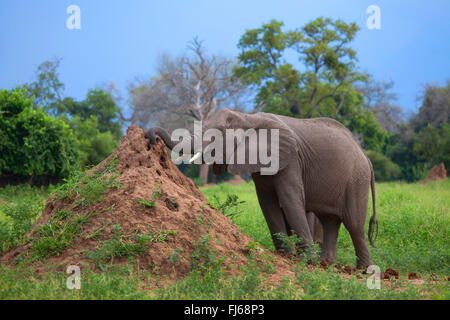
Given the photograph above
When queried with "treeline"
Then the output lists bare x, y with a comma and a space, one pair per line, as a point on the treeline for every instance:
44, 136
307, 72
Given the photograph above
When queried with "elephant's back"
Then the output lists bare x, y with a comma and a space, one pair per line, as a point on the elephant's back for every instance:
330, 144
339, 161
335, 146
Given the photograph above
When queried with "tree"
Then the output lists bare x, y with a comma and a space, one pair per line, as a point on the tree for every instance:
93, 144
432, 126
400, 149
379, 99
96, 121
98, 104
96, 124
435, 108
262, 66
323, 86
329, 61
47, 89
433, 145
190, 87
425, 140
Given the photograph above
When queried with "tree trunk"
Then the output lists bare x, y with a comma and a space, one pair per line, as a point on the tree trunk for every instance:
213, 178
204, 173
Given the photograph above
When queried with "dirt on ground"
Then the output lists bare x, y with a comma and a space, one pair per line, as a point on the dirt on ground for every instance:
437, 173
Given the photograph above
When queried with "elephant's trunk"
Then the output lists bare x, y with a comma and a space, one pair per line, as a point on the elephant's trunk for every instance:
152, 132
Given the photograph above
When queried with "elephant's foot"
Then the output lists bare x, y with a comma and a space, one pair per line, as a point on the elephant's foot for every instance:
326, 261
362, 265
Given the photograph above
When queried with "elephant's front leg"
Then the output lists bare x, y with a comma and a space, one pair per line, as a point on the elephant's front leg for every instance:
290, 193
272, 212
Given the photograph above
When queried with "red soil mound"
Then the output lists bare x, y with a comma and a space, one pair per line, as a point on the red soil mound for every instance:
176, 217
437, 173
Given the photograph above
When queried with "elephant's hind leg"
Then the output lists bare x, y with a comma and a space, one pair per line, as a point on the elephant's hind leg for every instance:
354, 221
315, 226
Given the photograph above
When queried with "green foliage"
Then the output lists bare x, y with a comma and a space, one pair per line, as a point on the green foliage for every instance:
32, 142
95, 121
367, 127
19, 218
146, 203
289, 243
262, 66
99, 105
383, 167
252, 247
87, 188
155, 196
47, 88
20, 206
93, 145
174, 256
204, 257
125, 283
425, 140
433, 145
58, 234
231, 207
400, 149
47, 91
125, 245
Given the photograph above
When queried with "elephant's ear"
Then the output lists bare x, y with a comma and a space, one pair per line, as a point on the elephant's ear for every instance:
287, 145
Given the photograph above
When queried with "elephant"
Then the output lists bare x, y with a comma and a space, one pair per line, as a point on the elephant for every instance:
323, 175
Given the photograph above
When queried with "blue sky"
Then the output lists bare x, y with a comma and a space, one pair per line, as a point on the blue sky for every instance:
122, 39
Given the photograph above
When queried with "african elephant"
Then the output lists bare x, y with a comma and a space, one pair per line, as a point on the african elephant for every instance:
322, 169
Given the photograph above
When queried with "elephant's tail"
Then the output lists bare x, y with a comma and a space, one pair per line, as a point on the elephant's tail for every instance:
373, 224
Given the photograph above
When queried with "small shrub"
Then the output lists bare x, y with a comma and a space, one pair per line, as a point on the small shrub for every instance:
21, 217
128, 245
175, 256
155, 196
87, 188
58, 234
147, 204
204, 257
290, 243
383, 167
230, 207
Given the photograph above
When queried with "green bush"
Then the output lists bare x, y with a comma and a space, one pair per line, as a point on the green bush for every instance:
33, 143
93, 145
383, 167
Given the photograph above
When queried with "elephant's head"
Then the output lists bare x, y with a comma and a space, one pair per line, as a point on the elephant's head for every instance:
241, 143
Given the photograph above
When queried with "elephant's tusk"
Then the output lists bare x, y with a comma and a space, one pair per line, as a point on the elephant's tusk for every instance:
195, 157
184, 156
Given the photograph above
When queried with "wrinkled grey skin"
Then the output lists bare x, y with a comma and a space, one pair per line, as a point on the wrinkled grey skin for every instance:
323, 170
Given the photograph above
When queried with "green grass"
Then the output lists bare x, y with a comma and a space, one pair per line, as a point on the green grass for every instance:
414, 228
414, 225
